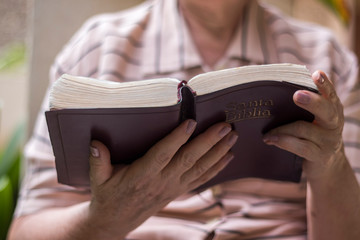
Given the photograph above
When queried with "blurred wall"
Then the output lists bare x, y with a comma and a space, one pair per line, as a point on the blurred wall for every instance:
12, 21
13, 81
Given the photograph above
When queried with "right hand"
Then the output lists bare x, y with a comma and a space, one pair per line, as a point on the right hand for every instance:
124, 196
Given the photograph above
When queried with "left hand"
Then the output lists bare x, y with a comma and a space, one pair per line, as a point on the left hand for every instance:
320, 142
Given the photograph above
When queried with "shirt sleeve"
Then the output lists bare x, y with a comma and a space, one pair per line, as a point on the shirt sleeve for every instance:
345, 76
349, 94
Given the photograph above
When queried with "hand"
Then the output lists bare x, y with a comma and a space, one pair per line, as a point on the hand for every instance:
320, 142
125, 196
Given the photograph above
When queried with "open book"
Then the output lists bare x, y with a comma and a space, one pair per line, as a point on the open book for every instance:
130, 117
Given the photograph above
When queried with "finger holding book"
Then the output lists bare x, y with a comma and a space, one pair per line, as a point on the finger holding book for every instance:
162, 153
319, 142
327, 106
170, 168
200, 160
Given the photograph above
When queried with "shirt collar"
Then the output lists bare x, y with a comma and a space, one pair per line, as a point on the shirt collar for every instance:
253, 41
168, 45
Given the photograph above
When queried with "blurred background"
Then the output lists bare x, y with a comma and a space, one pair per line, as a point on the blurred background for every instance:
33, 31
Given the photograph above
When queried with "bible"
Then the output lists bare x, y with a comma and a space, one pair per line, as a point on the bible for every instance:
130, 117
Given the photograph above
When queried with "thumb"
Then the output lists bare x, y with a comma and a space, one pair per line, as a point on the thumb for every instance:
100, 163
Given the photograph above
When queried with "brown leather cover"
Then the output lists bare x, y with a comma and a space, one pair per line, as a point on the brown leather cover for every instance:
252, 109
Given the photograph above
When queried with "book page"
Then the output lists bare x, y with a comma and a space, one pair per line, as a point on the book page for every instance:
81, 92
217, 80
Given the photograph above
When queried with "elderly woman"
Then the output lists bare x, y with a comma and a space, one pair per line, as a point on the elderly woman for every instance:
151, 199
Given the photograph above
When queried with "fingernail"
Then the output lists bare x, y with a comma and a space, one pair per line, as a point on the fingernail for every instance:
318, 77
224, 131
302, 97
321, 80
94, 152
228, 157
232, 139
191, 126
270, 139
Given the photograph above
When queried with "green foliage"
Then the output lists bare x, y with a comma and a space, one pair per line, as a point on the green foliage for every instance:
10, 161
10, 153
12, 56
340, 8
6, 205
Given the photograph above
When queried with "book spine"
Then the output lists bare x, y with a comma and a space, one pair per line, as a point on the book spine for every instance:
57, 145
187, 101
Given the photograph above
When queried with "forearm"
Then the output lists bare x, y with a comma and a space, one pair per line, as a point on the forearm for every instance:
334, 205
58, 223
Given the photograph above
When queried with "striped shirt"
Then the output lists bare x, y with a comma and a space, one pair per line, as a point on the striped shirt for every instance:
153, 40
